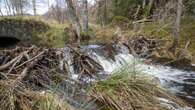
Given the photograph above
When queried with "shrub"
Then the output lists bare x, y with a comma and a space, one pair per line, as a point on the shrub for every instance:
120, 21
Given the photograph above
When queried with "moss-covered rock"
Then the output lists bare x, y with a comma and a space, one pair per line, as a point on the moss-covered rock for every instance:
21, 28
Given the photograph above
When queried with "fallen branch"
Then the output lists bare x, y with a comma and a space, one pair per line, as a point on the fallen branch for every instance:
142, 21
15, 59
9, 63
30, 60
19, 59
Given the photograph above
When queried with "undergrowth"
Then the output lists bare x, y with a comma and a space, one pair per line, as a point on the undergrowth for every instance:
55, 37
156, 30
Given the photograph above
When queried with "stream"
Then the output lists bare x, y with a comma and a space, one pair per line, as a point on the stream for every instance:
179, 82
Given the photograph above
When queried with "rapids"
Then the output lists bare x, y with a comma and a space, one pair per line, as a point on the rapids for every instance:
178, 82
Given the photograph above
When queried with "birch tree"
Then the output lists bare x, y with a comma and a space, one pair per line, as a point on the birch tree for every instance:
105, 12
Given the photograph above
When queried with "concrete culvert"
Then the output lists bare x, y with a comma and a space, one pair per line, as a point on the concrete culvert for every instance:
7, 41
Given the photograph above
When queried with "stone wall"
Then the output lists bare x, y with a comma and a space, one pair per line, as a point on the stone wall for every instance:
22, 29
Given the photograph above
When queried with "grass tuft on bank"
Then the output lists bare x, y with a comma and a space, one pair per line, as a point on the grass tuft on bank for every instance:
129, 90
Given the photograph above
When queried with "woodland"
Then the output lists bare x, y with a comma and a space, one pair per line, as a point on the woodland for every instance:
97, 54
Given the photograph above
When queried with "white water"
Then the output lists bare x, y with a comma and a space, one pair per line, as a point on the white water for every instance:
174, 80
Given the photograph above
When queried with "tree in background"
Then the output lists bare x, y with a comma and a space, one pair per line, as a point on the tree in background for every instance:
58, 11
177, 26
1, 3
18, 6
189, 7
34, 7
74, 19
85, 16
15, 7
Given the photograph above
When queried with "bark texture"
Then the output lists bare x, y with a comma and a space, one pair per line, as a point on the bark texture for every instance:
177, 25
74, 19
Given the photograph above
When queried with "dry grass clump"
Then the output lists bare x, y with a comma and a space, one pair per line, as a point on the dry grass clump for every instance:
125, 90
51, 101
14, 96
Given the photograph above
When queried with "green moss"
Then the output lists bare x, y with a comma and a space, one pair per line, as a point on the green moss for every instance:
55, 37
87, 36
120, 21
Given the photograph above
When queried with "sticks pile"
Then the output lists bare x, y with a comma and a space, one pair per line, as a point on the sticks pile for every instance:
82, 64
143, 47
30, 70
25, 73
29, 64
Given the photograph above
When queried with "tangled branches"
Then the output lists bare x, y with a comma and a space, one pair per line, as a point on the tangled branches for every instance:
143, 47
82, 64
25, 71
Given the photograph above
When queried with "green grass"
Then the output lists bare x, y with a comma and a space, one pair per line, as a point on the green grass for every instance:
129, 90
55, 37
153, 30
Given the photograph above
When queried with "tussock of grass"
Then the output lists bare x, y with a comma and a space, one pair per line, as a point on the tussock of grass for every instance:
14, 96
125, 90
50, 101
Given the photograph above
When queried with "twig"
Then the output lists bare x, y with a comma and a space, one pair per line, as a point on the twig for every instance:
14, 60
142, 21
19, 59
3, 74
30, 60
187, 45
31, 65
9, 63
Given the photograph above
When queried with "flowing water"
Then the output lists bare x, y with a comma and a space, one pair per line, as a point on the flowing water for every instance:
178, 82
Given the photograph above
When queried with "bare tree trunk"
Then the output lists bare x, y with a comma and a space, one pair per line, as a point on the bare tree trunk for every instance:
177, 26
48, 4
8, 7
34, 7
58, 12
150, 6
143, 4
105, 13
74, 19
135, 26
85, 16
21, 7
1, 12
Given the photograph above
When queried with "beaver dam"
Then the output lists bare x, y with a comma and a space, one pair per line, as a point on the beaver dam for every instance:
90, 78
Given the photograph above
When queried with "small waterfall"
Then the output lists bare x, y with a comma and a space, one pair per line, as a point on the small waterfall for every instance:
179, 82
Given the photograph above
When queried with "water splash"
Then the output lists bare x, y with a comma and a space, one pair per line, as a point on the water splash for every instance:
179, 82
